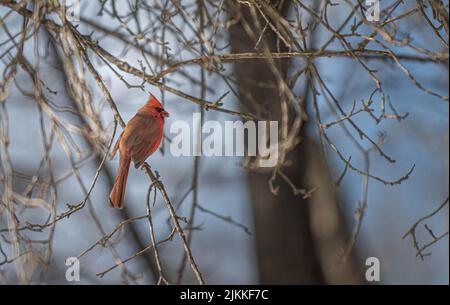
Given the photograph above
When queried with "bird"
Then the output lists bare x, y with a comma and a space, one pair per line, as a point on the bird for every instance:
140, 138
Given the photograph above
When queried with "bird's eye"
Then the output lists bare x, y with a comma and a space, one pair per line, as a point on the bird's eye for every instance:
159, 109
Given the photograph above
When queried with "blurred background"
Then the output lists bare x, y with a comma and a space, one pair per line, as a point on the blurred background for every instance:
362, 106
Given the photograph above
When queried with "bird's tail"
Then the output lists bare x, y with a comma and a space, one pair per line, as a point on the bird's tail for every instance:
118, 191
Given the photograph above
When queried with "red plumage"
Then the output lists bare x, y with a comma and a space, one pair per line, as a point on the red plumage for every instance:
140, 138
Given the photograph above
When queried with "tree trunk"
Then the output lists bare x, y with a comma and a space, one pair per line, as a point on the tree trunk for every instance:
295, 244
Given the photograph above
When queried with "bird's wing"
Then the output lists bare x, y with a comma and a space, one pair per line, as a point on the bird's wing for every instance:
142, 137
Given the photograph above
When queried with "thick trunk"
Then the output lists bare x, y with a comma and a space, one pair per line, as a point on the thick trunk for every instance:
293, 245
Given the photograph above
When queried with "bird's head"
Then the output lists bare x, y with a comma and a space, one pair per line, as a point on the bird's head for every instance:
156, 106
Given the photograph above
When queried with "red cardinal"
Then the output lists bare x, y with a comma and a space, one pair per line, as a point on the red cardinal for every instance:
140, 138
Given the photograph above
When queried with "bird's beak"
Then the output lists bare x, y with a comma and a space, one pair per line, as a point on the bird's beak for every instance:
165, 114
